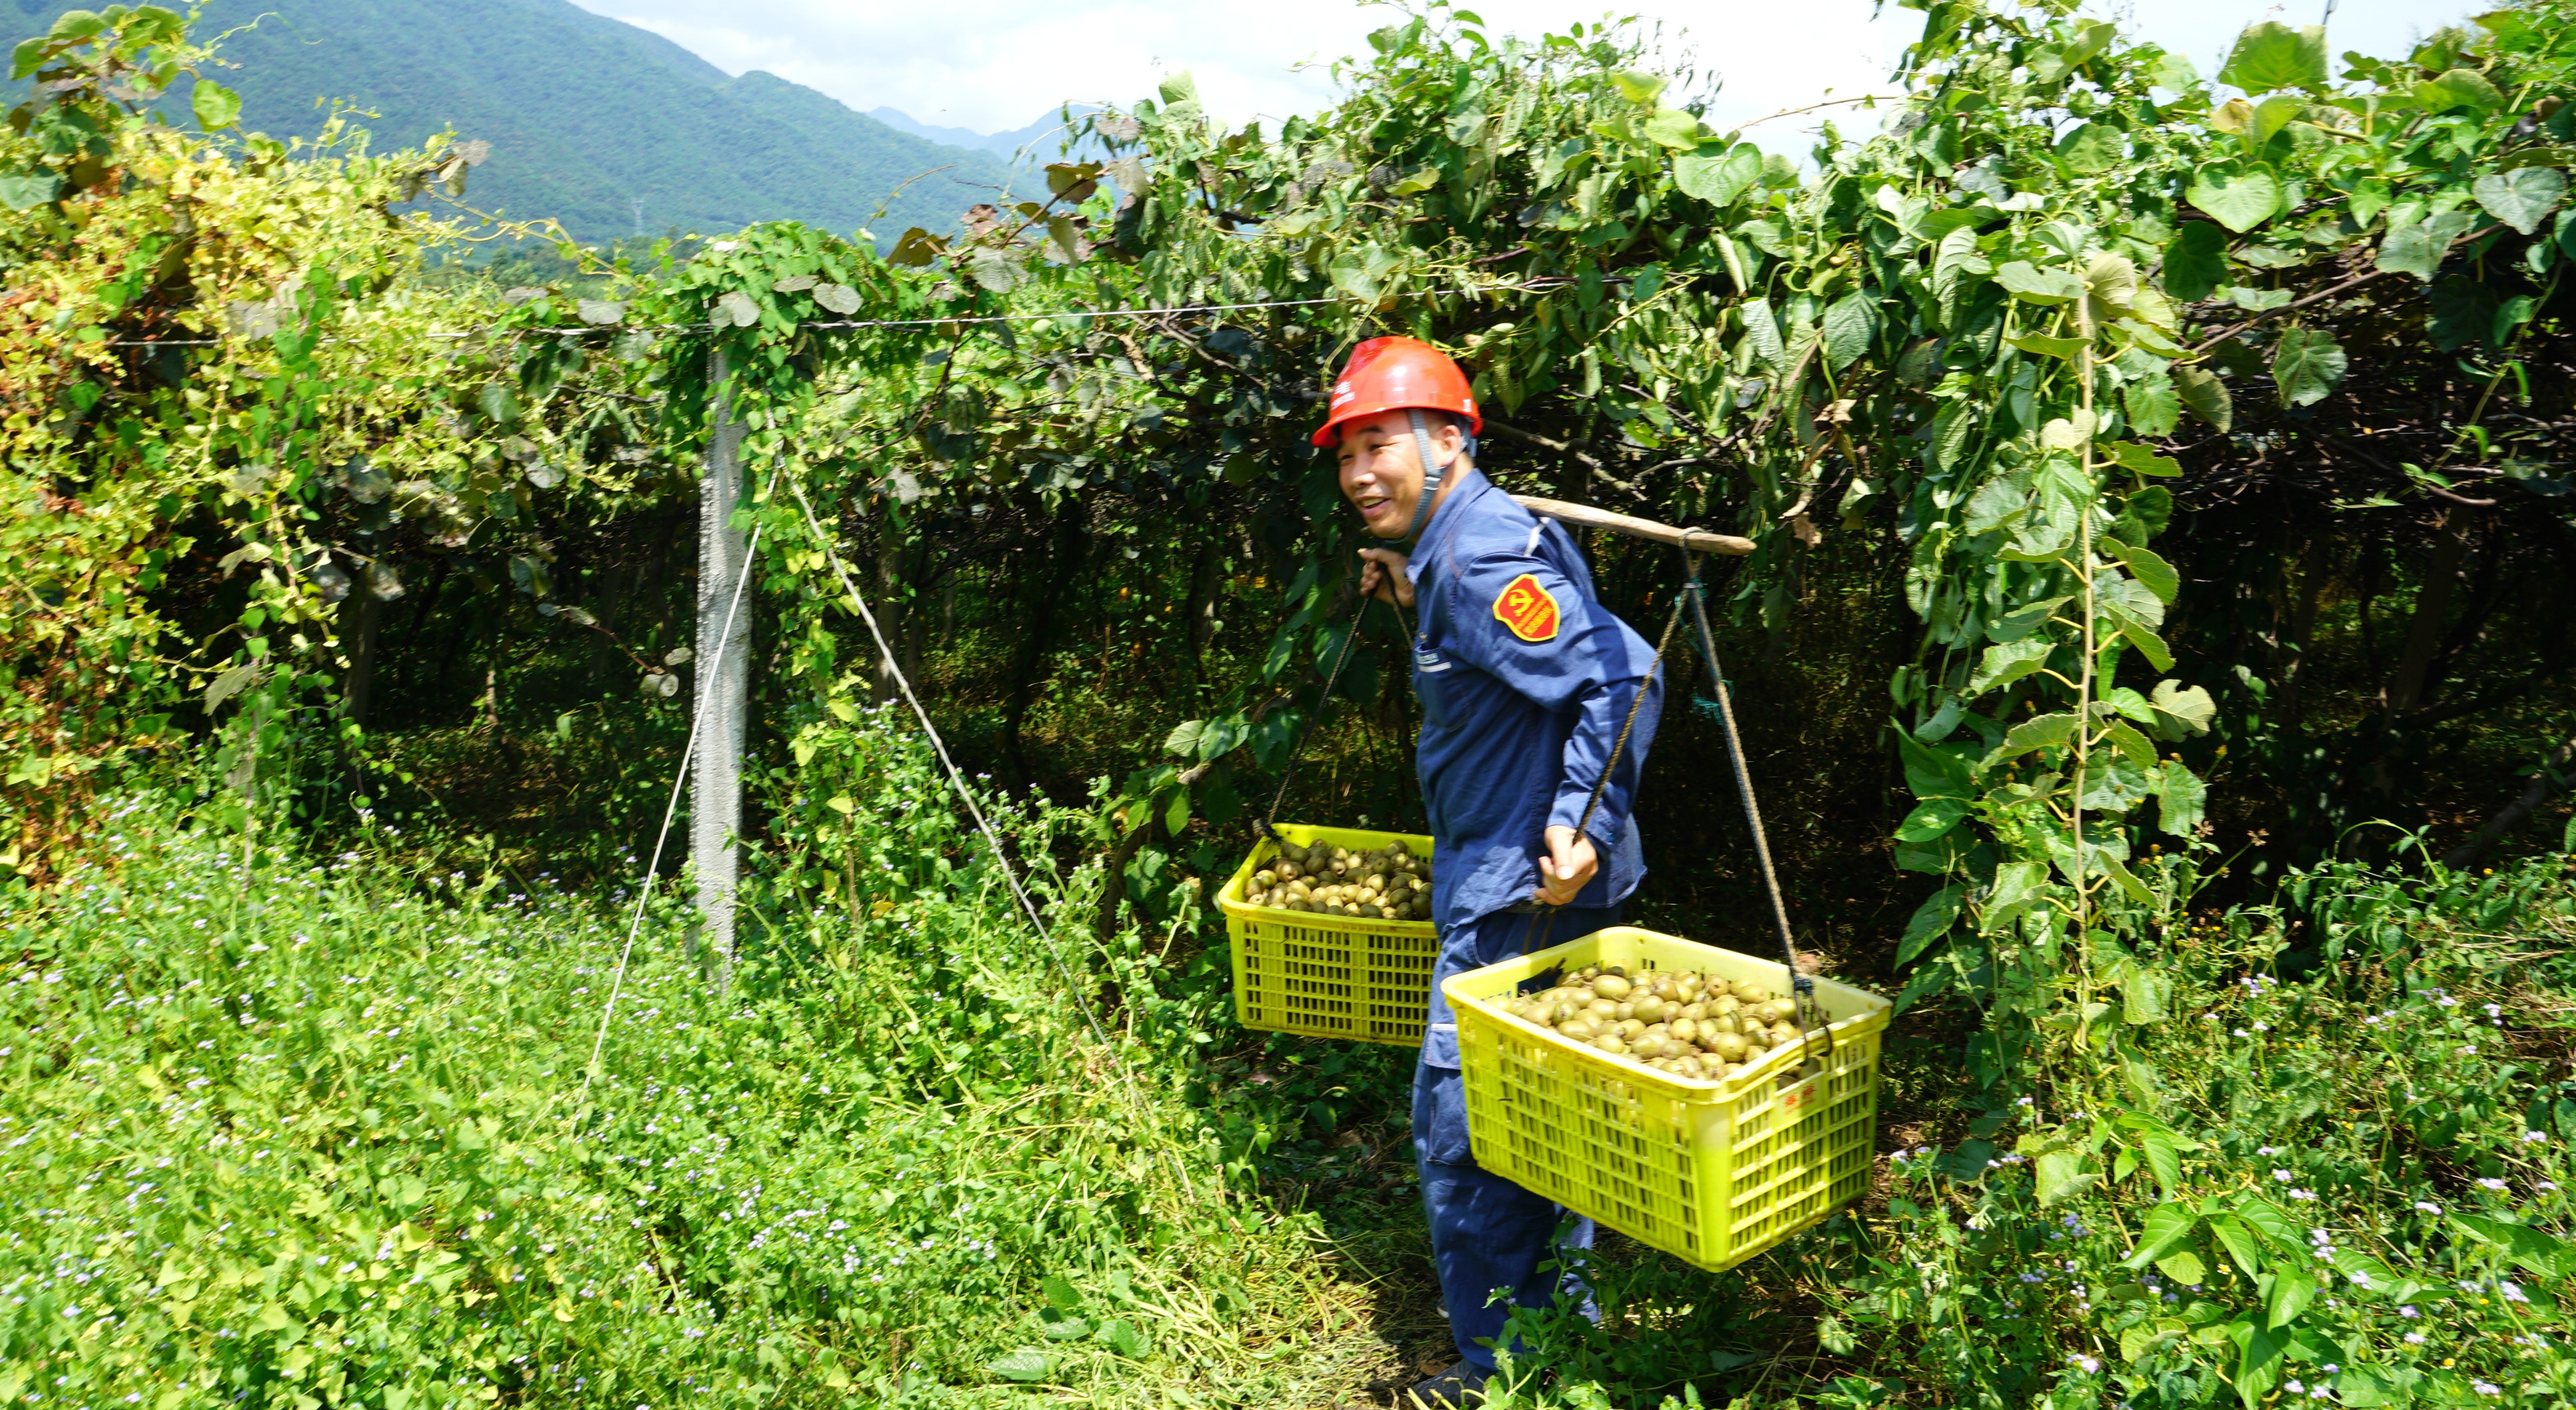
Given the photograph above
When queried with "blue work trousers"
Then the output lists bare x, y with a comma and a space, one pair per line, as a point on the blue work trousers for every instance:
1486, 1232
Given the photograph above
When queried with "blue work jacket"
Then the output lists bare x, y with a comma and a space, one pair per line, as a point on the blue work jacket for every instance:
1524, 679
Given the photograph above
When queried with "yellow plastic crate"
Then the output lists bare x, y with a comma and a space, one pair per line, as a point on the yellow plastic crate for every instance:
1328, 976
1711, 1172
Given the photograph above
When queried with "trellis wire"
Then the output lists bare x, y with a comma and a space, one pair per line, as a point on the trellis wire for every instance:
572, 331
956, 779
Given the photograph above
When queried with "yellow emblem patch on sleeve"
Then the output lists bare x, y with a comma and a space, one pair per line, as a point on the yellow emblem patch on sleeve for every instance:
1528, 609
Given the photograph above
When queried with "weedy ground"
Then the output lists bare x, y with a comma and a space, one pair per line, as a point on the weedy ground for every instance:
295, 1128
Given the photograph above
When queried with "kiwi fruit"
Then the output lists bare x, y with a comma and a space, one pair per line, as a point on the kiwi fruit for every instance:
1681, 1023
1386, 883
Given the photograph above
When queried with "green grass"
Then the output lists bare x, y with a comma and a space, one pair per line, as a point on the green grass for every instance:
292, 1127
315, 1130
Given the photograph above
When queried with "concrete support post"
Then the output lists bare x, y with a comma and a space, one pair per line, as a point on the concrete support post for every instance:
723, 675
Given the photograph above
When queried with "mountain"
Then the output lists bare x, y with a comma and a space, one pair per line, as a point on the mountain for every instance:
587, 116
1045, 137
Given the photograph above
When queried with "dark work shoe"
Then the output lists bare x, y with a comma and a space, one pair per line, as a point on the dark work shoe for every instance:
1450, 1390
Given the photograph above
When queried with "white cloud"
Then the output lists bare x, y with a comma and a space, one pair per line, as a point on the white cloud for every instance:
995, 65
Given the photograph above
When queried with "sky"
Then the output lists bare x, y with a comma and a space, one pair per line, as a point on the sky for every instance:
997, 65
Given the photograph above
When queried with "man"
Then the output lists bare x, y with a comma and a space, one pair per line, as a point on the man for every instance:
1525, 679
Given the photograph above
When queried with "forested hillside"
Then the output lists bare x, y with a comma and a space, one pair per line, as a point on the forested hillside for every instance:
587, 116
2151, 655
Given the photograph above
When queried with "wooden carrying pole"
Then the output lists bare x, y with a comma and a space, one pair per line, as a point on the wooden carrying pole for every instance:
1687, 540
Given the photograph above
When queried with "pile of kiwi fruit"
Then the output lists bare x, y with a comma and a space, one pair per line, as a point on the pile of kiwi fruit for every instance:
1384, 883
1690, 1025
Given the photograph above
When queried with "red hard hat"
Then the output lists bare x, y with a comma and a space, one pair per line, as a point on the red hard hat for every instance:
1397, 374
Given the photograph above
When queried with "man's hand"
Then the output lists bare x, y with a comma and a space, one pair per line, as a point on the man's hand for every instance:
1382, 576
1569, 864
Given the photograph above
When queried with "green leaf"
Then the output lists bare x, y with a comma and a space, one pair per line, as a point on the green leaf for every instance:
1639, 86
2532, 1250
2017, 886
2132, 745
2038, 732
2271, 55
2238, 198
1671, 127
1060, 1294
2239, 1241
2377, 1385
2167, 1227
1930, 922
2522, 198
2173, 73
2306, 365
2142, 1001
2122, 877
2184, 1267
2195, 262
1718, 174
2092, 148
28, 57
2154, 408
2463, 310
216, 106
2150, 569
29, 190
2148, 643
2028, 282
2046, 346
1932, 771
2188, 704
1025, 1364
2205, 396
1851, 322
1966, 1161
2062, 1176
2292, 1291
2258, 1365
1122, 1337
1762, 330
2180, 797
988, 267
2415, 249
2164, 1161
1932, 818
1184, 738
2459, 88
2003, 664
2138, 460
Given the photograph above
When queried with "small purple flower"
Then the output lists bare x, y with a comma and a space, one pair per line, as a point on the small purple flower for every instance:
2491, 1183
2281, 1176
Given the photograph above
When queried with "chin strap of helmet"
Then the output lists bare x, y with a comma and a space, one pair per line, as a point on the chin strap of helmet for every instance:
1431, 474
